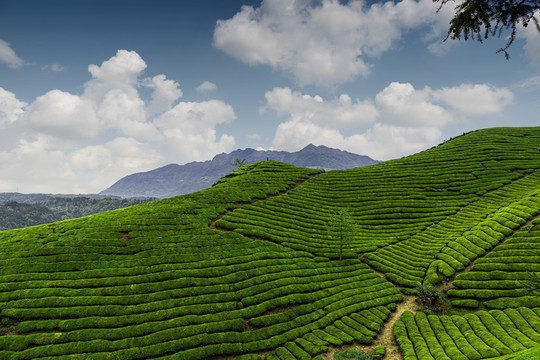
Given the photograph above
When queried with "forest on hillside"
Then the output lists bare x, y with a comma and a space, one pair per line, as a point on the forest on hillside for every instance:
18, 214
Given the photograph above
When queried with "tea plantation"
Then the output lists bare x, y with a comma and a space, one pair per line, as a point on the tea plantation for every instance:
248, 269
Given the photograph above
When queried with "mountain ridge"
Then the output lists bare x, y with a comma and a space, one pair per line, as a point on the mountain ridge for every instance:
173, 179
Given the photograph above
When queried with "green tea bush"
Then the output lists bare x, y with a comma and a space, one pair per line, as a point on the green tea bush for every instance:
466, 303
325, 336
357, 335
284, 354
310, 348
465, 345
353, 354
428, 334
475, 337
405, 344
483, 332
298, 353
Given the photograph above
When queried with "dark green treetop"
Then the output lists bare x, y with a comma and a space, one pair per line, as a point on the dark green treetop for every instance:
480, 19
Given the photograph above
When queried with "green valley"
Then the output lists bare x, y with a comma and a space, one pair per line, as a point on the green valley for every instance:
249, 268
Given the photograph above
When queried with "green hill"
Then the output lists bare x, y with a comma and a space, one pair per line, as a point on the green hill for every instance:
247, 268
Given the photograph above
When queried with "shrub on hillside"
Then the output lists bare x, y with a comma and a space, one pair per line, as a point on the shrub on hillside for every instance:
428, 295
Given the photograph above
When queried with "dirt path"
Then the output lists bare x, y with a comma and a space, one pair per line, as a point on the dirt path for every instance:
386, 337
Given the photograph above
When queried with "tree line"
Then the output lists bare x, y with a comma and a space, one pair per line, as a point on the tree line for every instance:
14, 214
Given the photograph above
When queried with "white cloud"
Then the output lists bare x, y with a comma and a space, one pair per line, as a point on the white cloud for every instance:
8, 56
342, 111
120, 72
402, 120
189, 131
475, 100
125, 111
532, 83
106, 163
165, 94
54, 67
254, 136
64, 139
57, 68
10, 108
532, 42
380, 142
401, 104
63, 115
35, 166
323, 42
206, 86
123, 68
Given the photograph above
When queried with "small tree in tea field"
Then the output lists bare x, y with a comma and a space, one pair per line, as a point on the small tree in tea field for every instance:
429, 295
342, 227
238, 162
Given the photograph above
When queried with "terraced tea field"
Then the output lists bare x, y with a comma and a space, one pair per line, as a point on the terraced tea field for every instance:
249, 268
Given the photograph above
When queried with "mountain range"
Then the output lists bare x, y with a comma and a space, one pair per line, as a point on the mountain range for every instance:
174, 179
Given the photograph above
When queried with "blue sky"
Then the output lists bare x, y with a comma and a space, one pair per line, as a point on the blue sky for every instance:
91, 91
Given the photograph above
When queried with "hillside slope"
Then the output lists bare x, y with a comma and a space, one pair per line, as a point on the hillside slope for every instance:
169, 280
174, 179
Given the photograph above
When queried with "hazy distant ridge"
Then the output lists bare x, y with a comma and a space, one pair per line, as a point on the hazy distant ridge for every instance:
174, 179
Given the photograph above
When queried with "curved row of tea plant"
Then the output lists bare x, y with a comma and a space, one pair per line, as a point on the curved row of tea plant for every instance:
450, 245
361, 327
482, 335
499, 279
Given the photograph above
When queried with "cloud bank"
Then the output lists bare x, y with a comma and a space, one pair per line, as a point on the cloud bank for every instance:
325, 43
63, 142
400, 120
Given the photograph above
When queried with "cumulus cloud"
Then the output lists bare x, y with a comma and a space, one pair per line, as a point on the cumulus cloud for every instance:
63, 115
381, 141
206, 86
8, 56
189, 129
10, 108
323, 42
119, 73
400, 121
475, 100
342, 111
401, 104
166, 93
84, 142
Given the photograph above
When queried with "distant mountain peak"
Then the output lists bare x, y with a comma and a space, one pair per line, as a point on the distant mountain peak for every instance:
174, 179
